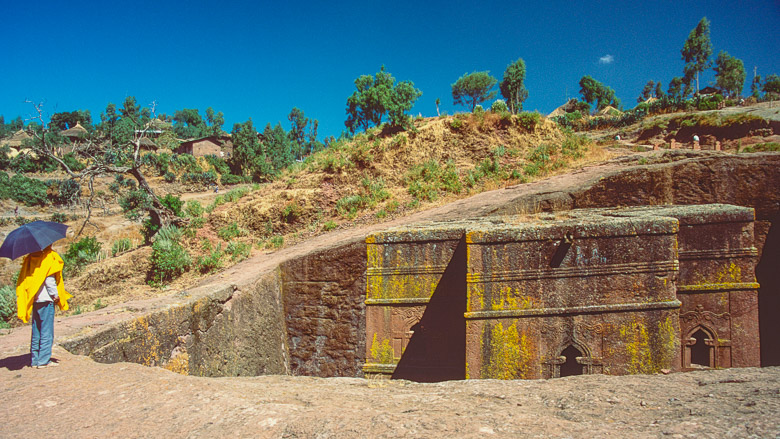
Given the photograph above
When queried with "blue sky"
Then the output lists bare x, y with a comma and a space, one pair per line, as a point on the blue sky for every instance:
260, 59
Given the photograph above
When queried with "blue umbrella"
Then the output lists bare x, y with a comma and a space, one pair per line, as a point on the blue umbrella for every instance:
31, 237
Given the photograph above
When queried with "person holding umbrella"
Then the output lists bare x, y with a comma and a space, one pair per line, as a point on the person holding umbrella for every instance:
39, 285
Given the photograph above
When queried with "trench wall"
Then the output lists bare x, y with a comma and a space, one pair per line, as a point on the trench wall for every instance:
307, 316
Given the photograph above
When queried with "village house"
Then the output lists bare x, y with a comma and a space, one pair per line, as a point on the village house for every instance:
212, 145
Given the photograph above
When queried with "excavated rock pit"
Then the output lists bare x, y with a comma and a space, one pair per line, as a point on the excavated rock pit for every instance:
301, 311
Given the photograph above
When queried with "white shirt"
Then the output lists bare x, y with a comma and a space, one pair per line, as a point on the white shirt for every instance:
48, 291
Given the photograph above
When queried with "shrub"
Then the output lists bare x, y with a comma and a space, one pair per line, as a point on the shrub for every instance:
28, 191
329, 225
478, 109
173, 203
212, 261
499, 106
427, 181
194, 209
349, 206
72, 162
81, 253
276, 241
7, 303
528, 120
121, 246
169, 259
230, 231
233, 179
169, 177
238, 251
59, 217
458, 122
219, 164
63, 191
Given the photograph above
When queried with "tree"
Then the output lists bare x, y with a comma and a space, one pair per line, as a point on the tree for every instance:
188, 124
659, 91
302, 138
378, 97
65, 120
593, 91
215, 121
647, 92
697, 52
772, 84
675, 90
278, 148
248, 157
472, 89
512, 87
755, 85
729, 74
438, 102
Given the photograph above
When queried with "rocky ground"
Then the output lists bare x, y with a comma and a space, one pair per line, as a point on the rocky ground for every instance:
84, 399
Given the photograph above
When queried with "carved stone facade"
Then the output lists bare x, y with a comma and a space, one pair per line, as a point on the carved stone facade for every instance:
613, 291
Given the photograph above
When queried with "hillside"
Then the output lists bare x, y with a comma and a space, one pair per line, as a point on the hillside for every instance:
375, 177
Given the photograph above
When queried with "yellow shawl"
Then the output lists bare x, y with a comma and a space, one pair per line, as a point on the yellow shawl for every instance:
35, 269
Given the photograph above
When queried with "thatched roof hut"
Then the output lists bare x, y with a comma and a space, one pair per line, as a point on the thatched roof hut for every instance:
609, 110
77, 132
16, 140
568, 107
147, 143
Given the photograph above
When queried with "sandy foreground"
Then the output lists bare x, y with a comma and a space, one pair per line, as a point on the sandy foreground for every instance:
84, 399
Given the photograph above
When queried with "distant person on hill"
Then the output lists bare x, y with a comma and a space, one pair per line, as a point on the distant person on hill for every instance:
38, 288
695, 138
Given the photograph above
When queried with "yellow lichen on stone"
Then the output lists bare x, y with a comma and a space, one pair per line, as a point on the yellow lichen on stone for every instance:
179, 364
637, 342
382, 352
149, 344
511, 299
509, 354
731, 273
670, 343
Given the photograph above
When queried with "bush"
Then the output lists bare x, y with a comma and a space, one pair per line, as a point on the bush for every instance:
194, 209
58, 217
169, 259
349, 206
233, 179
499, 106
7, 303
63, 191
230, 231
238, 251
528, 120
219, 164
428, 180
121, 246
212, 261
73, 162
80, 253
28, 191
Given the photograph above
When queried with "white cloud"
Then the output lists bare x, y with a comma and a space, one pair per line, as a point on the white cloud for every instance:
607, 59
